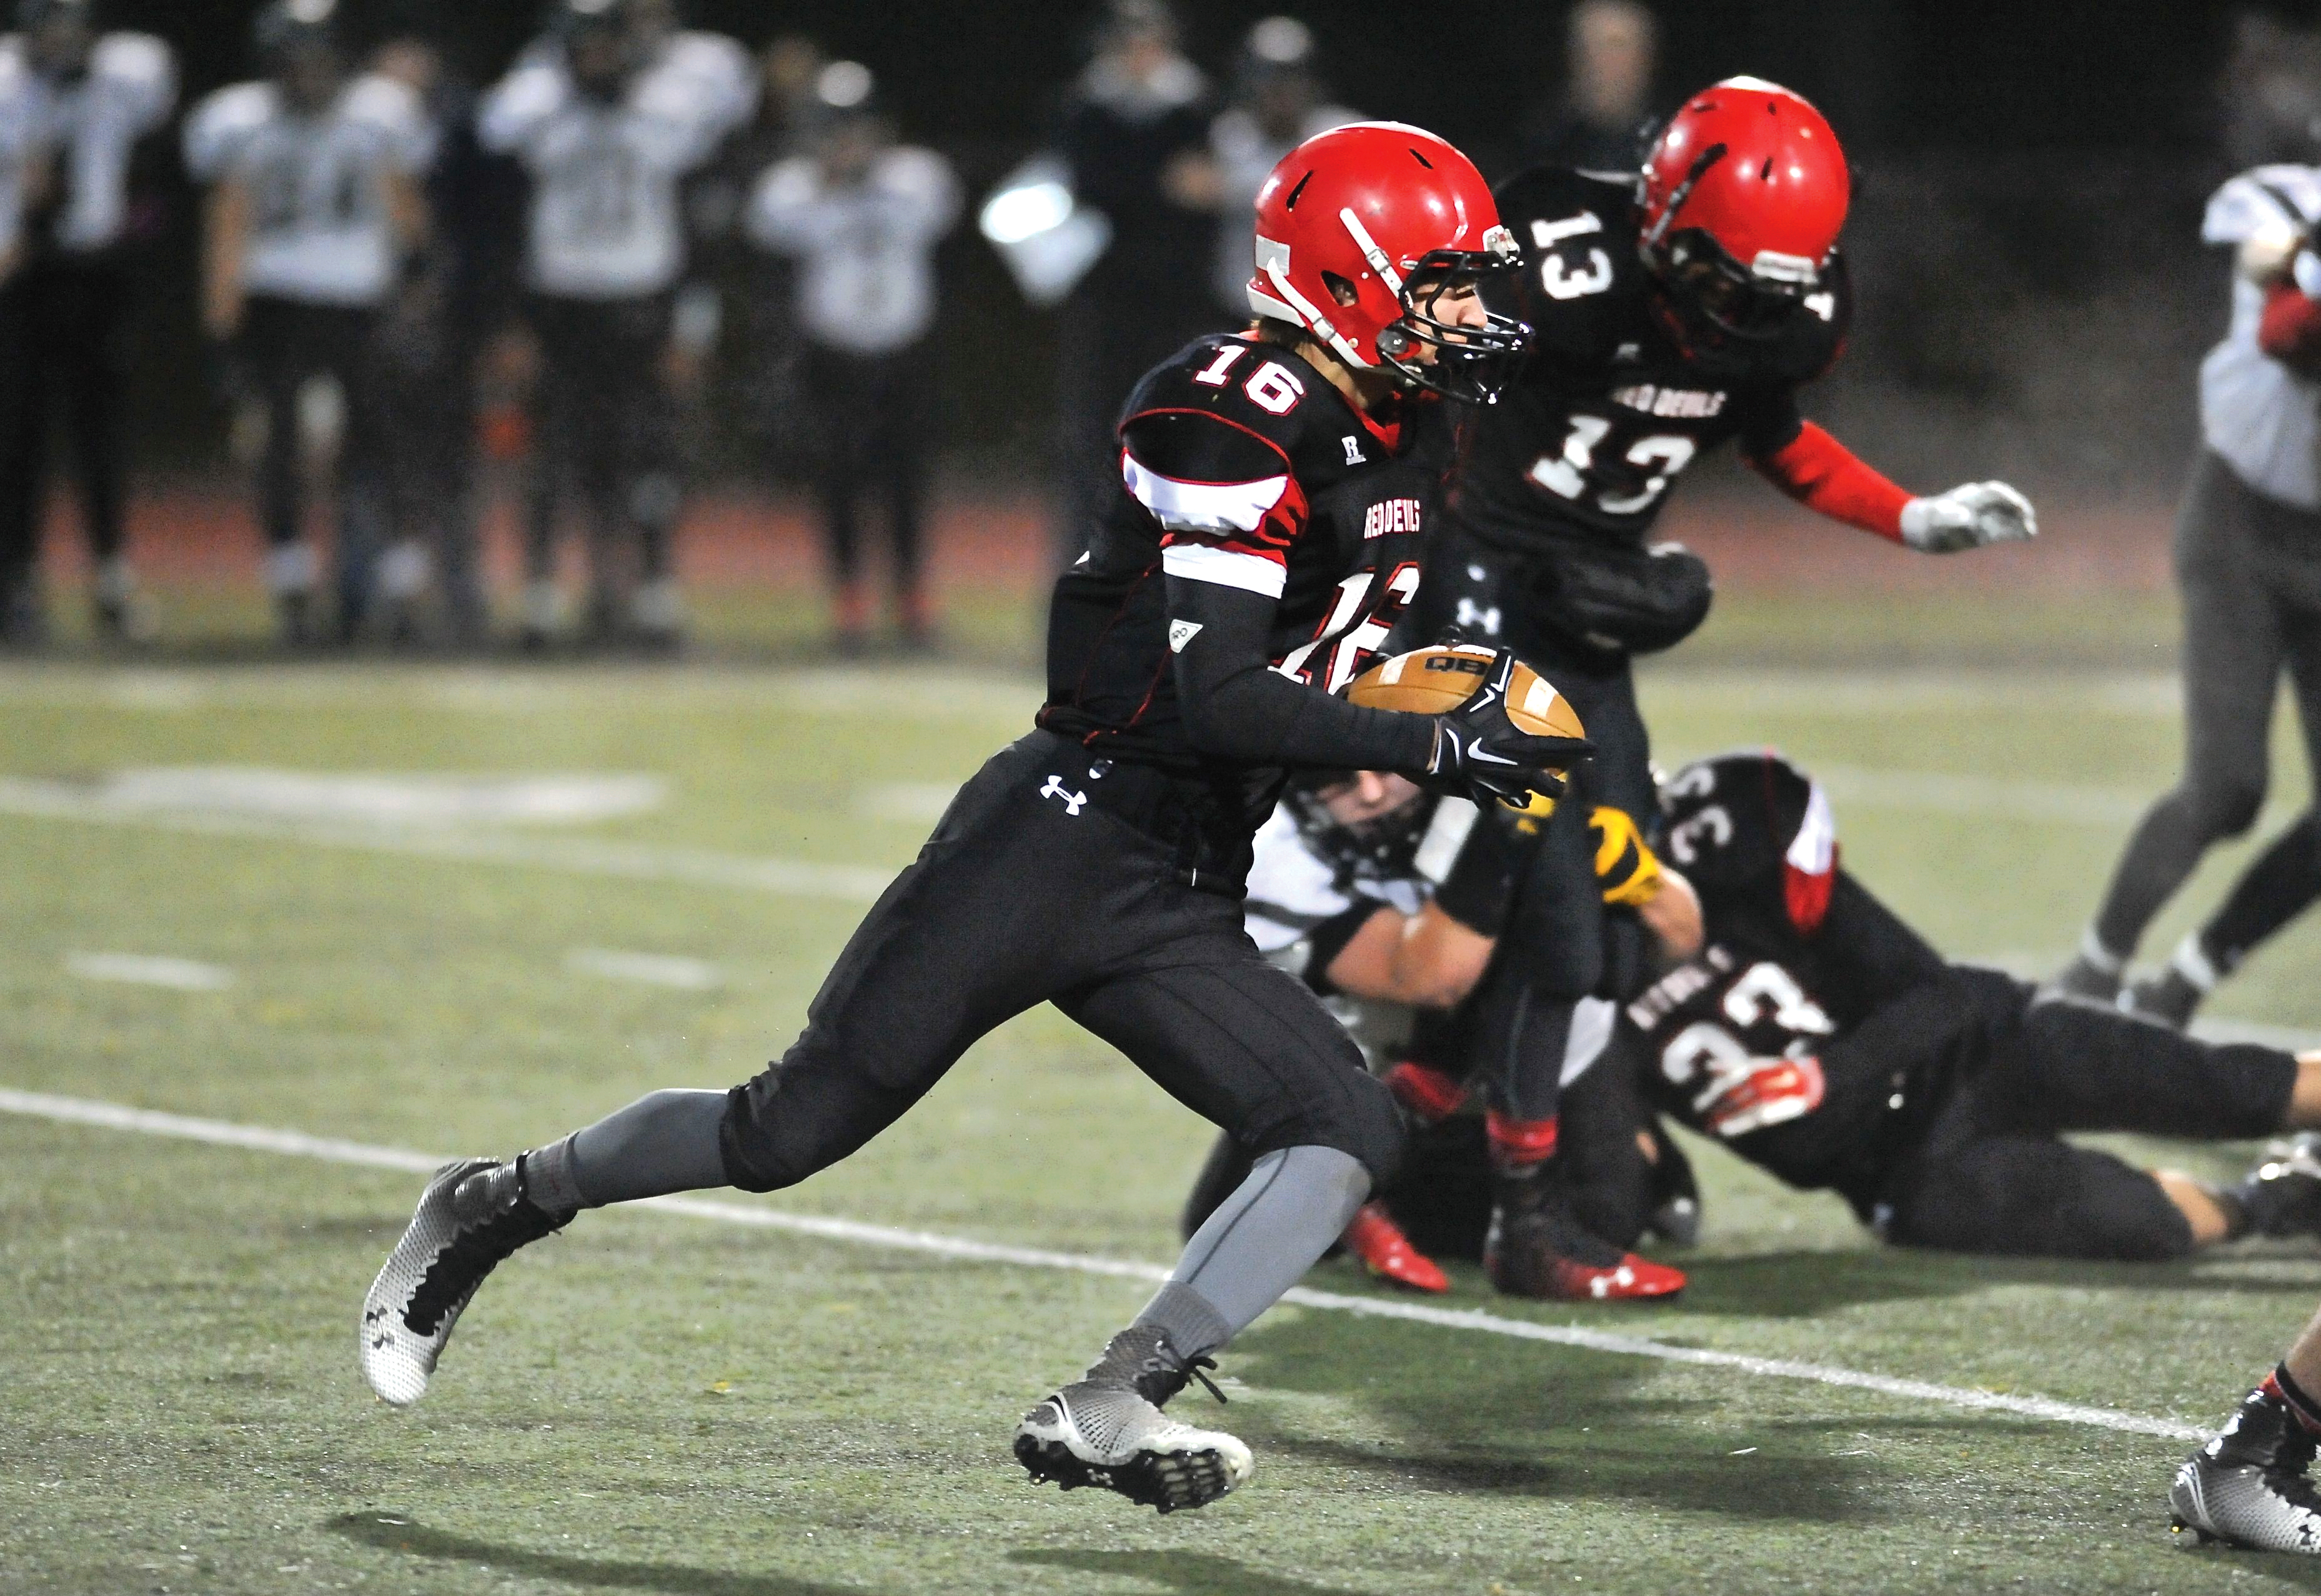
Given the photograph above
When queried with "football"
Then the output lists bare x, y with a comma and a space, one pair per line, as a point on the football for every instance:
1433, 681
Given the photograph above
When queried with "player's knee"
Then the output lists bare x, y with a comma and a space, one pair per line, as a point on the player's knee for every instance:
2226, 806
1361, 1121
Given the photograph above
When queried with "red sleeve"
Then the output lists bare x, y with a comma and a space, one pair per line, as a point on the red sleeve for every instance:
1821, 473
2290, 329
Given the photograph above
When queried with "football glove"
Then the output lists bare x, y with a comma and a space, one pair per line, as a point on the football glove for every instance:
1478, 749
1967, 517
1627, 870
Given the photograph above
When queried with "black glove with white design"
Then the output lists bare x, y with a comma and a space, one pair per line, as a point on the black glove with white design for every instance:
1479, 751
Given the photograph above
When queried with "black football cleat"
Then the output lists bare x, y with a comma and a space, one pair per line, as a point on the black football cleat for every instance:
2166, 999
2251, 1486
473, 1214
2082, 978
2282, 1195
1537, 1248
1106, 1429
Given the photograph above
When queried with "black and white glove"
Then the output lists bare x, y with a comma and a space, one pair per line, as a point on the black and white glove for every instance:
1478, 750
1967, 517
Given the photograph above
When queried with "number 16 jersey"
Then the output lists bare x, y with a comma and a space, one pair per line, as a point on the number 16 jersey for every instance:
1608, 406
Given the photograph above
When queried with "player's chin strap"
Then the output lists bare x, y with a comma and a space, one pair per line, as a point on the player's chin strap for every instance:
1371, 251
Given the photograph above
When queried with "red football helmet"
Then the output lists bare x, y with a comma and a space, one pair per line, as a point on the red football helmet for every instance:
1743, 196
1360, 229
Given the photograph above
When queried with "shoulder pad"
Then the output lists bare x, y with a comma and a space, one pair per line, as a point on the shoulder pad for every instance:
1812, 343
2262, 197
1259, 392
220, 124
1733, 820
380, 101
532, 91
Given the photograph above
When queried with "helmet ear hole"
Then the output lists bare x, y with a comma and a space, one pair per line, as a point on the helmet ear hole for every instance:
1341, 289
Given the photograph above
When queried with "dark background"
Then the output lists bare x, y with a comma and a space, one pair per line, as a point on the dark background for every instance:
2033, 293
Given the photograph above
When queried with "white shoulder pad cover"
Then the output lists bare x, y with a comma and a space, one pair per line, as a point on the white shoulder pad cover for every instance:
222, 123
2253, 201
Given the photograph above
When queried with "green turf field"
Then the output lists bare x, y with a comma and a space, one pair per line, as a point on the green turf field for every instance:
660, 1403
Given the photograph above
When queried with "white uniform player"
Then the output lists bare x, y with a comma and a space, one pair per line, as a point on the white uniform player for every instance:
863, 216
607, 132
89, 100
315, 200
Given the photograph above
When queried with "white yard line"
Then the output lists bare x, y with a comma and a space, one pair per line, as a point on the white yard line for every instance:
144, 969
64, 800
653, 969
77, 1110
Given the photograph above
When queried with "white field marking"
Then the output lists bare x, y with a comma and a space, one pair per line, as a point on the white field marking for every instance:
77, 1110
921, 804
185, 975
805, 878
381, 798
906, 691
654, 969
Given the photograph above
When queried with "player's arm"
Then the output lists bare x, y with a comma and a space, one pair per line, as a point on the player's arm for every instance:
1229, 509
2290, 330
1427, 960
1872, 950
1812, 466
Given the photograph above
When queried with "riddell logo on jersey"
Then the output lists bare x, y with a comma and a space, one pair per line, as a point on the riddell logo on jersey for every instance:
1388, 516
1680, 404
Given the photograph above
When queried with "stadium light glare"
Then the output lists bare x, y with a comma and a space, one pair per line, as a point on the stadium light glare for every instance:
1014, 214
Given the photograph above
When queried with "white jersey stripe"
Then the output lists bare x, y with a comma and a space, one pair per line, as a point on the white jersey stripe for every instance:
1227, 567
1202, 506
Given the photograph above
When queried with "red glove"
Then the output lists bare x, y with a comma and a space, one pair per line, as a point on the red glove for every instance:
2290, 329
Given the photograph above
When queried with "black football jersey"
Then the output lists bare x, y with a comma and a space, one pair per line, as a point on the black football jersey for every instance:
1240, 465
1792, 1036
1608, 408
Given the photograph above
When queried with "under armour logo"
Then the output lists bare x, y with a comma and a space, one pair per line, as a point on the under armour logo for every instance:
1474, 617
1353, 450
1073, 801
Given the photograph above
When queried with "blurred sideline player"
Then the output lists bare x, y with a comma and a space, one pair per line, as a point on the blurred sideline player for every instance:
315, 200
1260, 539
1389, 903
1670, 312
863, 215
2248, 559
1278, 101
96, 97
605, 125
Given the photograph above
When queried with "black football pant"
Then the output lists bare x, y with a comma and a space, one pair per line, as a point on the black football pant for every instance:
2249, 570
1031, 891
1991, 1175
426, 371
875, 424
67, 358
608, 432
285, 343
1560, 944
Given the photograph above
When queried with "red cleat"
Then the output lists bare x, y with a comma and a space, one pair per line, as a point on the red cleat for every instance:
1631, 1276
1537, 1249
1386, 1252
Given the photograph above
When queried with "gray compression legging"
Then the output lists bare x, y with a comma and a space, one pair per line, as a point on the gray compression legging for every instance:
2250, 568
1256, 1245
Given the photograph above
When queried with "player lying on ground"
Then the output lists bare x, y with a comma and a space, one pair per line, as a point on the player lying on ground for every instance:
1262, 539
1819, 1036
2252, 1485
1673, 310
1393, 906
1816, 1034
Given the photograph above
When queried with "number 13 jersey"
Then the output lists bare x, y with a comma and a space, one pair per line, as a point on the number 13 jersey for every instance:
1242, 465
1609, 407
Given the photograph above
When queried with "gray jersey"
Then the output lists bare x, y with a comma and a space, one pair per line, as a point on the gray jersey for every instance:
2261, 417
320, 227
867, 281
90, 124
606, 222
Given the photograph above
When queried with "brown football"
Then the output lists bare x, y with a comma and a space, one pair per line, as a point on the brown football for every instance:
1433, 681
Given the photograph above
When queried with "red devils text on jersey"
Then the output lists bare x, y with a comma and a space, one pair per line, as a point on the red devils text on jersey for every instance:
1241, 466
1608, 406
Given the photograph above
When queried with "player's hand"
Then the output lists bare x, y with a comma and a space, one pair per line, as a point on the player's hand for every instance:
1969, 517
1476, 747
1627, 872
2270, 253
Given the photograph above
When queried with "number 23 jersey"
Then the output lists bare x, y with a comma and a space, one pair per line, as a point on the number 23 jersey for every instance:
1609, 407
1239, 465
